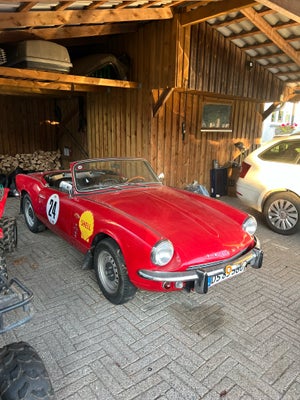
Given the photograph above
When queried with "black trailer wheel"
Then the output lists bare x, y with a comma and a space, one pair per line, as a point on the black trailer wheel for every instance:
10, 234
23, 375
32, 222
112, 273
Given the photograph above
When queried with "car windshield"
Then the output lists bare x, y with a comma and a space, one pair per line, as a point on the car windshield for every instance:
104, 173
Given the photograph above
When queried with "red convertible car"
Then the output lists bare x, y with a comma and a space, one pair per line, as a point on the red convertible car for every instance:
137, 232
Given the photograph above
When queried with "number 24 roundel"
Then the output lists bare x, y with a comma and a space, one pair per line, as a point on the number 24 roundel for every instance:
53, 209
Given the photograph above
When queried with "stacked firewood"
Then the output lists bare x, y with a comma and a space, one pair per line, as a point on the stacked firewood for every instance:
38, 161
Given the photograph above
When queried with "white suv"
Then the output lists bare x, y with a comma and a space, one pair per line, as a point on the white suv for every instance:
270, 183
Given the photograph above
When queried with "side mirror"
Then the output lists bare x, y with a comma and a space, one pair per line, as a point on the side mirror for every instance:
161, 176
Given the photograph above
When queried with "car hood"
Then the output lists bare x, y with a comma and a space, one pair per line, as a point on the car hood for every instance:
201, 229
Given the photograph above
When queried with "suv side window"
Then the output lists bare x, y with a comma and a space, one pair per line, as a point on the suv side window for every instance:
287, 151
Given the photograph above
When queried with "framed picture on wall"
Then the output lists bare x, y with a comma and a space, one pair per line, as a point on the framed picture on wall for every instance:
216, 117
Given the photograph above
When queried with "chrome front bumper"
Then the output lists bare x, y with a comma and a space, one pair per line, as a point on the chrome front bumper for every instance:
208, 275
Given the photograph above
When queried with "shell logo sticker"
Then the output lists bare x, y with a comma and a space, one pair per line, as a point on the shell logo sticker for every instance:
86, 225
53, 209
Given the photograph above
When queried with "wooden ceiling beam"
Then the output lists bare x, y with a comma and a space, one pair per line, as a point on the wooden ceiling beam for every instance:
256, 31
271, 108
37, 1
271, 33
63, 6
197, 4
150, 4
24, 7
238, 19
75, 17
212, 10
66, 32
289, 8
265, 56
95, 5
162, 100
124, 4
293, 81
280, 64
267, 43
289, 73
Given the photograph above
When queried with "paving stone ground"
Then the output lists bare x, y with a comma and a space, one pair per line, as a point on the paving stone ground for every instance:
240, 341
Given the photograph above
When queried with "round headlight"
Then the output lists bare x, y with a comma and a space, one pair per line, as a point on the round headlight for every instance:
250, 225
162, 253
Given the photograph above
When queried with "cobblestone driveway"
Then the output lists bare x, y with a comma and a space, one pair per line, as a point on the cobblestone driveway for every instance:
240, 341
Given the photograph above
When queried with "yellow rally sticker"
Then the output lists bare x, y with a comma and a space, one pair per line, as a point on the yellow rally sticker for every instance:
86, 225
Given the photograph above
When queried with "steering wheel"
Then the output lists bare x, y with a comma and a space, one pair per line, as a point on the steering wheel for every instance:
136, 179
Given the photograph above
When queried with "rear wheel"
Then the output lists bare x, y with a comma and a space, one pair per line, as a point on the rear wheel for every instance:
23, 375
10, 235
282, 213
112, 273
32, 222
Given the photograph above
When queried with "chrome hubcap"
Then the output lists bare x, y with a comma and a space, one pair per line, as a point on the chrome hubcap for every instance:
108, 272
283, 214
29, 213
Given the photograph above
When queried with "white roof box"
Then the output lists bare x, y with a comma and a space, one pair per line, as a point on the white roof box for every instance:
39, 54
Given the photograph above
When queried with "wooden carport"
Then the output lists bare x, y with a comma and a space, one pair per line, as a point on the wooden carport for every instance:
184, 55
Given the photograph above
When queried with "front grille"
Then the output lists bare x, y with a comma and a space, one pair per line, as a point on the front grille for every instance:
219, 264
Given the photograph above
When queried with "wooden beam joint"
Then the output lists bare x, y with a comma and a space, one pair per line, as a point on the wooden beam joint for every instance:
161, 100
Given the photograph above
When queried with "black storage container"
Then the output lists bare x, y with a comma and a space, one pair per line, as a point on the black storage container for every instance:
218, 182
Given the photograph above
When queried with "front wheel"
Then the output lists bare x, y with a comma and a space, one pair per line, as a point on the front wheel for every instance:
112, 273
282, 213
23, 375
32, 222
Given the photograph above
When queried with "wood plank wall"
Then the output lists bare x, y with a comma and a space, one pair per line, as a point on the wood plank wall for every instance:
185, 157
71, 132
23, 128
120, 122
218, 66
120, 125
152, 52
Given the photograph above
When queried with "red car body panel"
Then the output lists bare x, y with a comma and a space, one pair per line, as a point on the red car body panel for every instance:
202, 230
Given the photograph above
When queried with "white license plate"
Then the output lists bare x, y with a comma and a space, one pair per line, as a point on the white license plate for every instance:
213, 280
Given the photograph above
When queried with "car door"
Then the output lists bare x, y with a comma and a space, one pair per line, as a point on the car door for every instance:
55, 210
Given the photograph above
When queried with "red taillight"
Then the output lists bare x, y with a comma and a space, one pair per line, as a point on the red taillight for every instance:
245, 168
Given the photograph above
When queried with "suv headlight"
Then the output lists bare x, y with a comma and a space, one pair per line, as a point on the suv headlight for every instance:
162, 253
250, 225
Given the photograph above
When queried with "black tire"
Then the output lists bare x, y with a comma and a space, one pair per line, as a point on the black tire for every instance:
3, 273
23, 375
112, 273
10, 235
32, 222
282, 213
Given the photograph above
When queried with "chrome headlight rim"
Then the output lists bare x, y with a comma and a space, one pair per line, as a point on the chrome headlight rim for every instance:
162, 252
250, 225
